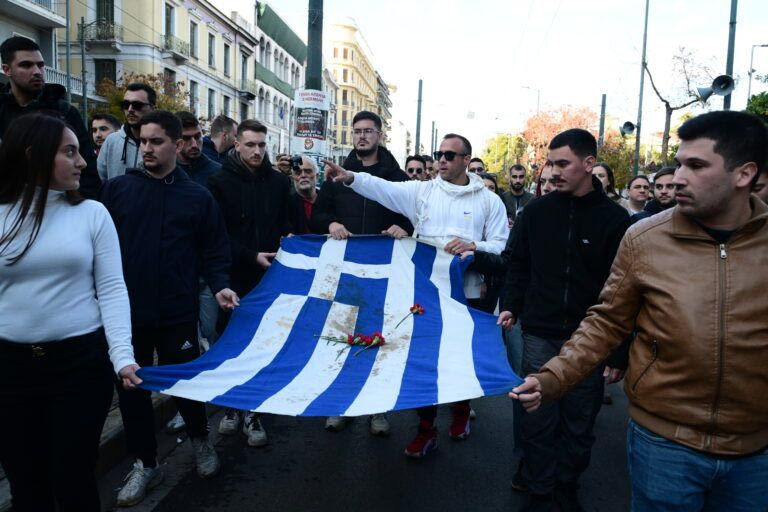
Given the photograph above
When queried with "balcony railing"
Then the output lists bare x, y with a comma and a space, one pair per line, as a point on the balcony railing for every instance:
249, 87
178, 46
57, 76
103, 31
56, 6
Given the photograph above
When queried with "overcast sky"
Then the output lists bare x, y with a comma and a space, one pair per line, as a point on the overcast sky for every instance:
489, 57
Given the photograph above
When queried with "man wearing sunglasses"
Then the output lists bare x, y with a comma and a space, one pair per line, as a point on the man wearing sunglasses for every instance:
476, 166
663, 194
415, 168
342, 212
121, 149
454, 211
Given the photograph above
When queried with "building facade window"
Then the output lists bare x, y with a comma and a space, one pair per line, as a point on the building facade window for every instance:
262, 51
345, 54
212, 50
226, 106
335, 53
193, 39
243, 66
105, 68
243, 111
344, 75
344, 97
343, 136
169, 28
105, 11
211, 103
170, 80
226, 60
193, 96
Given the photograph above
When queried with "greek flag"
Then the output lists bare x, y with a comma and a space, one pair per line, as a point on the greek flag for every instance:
273, 358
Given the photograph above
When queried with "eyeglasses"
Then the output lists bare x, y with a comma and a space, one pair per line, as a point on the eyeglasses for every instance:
366, 131
298, 171
476, 169
137, 105
449, 155
417, 170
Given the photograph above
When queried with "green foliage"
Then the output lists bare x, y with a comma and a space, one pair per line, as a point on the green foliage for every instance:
503, 151
758, 104
171, 95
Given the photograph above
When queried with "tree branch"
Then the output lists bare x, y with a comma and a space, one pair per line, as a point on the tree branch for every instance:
685, 104
647, 70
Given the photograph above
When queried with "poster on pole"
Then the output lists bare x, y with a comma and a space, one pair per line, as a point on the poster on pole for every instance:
311, 124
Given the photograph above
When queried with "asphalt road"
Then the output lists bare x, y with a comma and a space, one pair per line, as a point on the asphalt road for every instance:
305, 468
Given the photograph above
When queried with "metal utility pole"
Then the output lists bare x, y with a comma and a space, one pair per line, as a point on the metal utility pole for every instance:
731, 44
601, 137
751, 68
69, 58
83, 71
636, 166
314, 78
418, 122
432, 134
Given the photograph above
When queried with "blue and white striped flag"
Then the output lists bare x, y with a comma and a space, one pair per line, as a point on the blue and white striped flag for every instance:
271, 359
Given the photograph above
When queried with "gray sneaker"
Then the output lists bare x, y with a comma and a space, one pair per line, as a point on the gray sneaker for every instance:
176, 424
206, 458
335, 423
230, 422
379, 425
137, 482
253, 430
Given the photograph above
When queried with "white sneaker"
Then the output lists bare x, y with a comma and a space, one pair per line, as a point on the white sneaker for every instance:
206, 458
252, 428
230, 422
472, 414
379, 425
335, 423
176, 424
137, 482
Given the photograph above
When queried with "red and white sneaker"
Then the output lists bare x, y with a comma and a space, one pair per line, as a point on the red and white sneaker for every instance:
424, 442
461, 421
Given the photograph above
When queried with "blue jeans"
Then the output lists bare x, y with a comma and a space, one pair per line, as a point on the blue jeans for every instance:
209, 311
669, 477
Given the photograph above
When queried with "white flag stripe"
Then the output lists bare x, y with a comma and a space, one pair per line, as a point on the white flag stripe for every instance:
329, 265
269, 338
380, 271
297, 261
322, 368
456, 379
380, 391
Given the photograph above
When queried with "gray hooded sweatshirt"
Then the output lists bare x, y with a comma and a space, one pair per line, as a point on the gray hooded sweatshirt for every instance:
119, 152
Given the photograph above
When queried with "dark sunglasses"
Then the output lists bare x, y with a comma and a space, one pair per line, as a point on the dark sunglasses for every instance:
449, 155
414, 169
137, 105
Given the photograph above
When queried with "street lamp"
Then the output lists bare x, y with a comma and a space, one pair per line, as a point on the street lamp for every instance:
538, 94
751, 69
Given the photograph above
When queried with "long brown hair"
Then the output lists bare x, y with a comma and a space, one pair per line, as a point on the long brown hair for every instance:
27, 153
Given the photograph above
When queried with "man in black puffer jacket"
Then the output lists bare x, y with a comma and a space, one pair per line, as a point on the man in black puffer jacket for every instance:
342, 212
256, 202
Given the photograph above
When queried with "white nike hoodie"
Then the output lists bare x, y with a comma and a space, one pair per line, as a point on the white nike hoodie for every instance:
441, 211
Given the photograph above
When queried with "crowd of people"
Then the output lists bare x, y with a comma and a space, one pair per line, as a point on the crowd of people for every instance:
133, 245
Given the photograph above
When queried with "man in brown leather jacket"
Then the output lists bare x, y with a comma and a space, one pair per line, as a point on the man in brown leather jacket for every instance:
692, 282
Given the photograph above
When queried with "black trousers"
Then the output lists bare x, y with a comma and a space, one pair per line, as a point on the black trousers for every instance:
557, 438
54, 398
174, 344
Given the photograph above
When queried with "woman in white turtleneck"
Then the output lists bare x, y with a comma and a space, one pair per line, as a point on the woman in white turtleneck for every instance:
64, 315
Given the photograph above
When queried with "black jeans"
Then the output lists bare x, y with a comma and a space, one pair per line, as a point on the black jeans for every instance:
557, 438
53, 403
174, 344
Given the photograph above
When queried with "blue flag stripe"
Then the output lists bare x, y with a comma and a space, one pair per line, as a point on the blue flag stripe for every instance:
490, 360
369, 250
308, 245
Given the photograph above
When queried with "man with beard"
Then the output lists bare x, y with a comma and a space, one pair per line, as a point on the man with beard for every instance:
343, 212
102, 126
429, 162
190, 157
516, 197
305, 185
663, 194
256, 202
415, 168
27, 93
171, 234
121, 149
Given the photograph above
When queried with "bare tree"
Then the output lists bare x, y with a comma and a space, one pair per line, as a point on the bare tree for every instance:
692, 73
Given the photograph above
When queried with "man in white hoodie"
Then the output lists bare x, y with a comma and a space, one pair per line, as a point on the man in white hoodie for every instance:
455, 211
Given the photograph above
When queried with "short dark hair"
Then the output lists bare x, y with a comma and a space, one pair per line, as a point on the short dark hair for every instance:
581, 142
486, 176
188, 120
664, 171
112, 120
167, 121
638, 177
517, 167
476, 159
427, 158
365, 114
221, 123
417, 158
140, 86
16, 44
251, 125
739, 137
464, 141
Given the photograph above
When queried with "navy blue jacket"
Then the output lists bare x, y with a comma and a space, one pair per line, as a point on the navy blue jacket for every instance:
200, 169
171, 233
209, 150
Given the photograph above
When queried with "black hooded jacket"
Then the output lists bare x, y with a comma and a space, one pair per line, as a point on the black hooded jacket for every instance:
52, 100
558, 258
257, 209
339, 203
